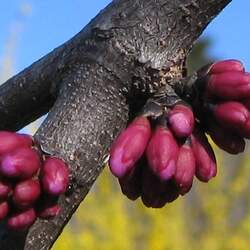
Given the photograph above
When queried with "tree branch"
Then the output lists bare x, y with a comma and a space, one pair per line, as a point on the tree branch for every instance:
127, 52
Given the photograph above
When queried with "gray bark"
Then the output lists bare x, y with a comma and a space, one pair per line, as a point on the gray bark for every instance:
92, 84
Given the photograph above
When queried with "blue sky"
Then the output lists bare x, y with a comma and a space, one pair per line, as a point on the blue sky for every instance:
43, 25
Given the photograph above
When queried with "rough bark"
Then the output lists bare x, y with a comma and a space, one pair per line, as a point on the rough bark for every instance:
92, 84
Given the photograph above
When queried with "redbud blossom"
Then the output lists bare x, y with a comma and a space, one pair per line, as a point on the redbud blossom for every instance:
231, 114
185, 168
4, 209
10, 141
22, 163
129, 146
153, 189
22, 220
26, 193
204, 155
131, 183
181, 120
226, 139
49, 211
5, 189
54, 176
226, 66
229, 85
162, 153
28, 139
156, 192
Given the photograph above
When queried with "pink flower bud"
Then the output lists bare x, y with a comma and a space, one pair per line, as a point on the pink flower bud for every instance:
49, 211
131, 183
226, 66
185, 168
204, 155
229, 85
162, 153
4, 209
22, 163
181, 120
153, 189
5, 189
22, 220
156, 192
54, 176
27, 139
226, 139
129, 146
26, 193
231, 114
10, 141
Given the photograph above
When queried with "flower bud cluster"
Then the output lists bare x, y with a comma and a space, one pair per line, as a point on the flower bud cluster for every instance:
159, 161
225, 105
26, 178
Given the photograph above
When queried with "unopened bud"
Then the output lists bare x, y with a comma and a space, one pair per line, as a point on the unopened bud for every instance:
22, 163
185, 168
162, 153
26, 193
231, 114
22, 220
28, 139
129, 146
54, 176
229, 85
131, 183
4, 209
10, 141
181, 120
226, 139
153, 189
204, 155
226, 66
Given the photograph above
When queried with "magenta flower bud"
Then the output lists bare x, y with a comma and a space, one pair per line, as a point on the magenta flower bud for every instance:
229, 85
54, 176
22, 163
5, 189
226, 66
27, 139
155, 192
26, 193
4, 209
181, 120
226, 139
49, 211
153, 189
162, 153
204, 155
129, 146
131, 183
10, 141
185, 168
22, 220
231, 114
